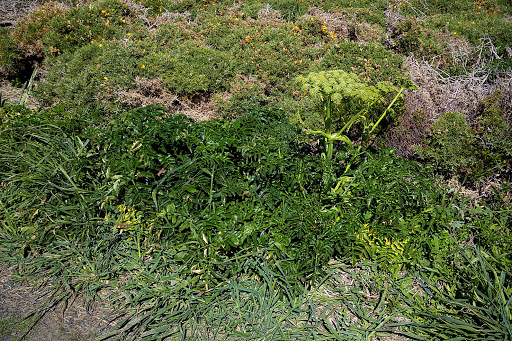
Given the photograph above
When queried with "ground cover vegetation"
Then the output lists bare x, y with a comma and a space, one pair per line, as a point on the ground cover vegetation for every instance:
335, 170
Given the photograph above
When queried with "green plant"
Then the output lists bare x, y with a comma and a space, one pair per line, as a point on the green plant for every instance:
448, 144
476, 304
86, 80
413, 37
247, 94
337, 93
191, 224
99, 21
273, 54
190, 69
10, 326
36, 25
26, 90
9, 52
389, 212
494, 130
372, 63
457, 148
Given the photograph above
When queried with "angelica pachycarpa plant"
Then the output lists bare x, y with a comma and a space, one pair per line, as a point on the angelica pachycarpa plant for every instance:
342, 101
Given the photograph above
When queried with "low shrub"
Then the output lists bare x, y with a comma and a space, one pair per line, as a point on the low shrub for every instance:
476, 150
411, 36
9, 53
101, 20
448, 144
37, 24
190, 69
87, 79
371, 62
273, 54
494, 130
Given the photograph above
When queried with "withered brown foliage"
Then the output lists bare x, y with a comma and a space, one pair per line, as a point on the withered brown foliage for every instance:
152, 91
438, 93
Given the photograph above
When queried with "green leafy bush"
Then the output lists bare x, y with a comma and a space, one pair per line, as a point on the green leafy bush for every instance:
386, 213
196, 176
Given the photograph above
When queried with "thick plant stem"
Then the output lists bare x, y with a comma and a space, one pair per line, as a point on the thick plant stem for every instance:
329, 143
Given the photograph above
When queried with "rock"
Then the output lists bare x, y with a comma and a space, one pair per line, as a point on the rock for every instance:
509, 51
7, 23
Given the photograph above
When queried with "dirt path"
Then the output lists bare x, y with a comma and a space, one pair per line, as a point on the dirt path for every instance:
72, 323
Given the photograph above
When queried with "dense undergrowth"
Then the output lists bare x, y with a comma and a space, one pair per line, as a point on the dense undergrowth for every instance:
294, 215
180, 216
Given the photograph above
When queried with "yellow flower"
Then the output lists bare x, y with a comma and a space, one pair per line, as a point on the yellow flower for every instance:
105, 78
100, 45
143, 66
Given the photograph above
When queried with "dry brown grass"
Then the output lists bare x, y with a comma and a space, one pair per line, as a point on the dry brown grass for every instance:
345, 25
270, 17
439, 92
152, 91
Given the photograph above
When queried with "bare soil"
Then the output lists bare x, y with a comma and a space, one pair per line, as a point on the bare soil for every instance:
21, 305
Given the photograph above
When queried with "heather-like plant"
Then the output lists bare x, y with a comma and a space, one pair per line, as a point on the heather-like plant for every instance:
371, 62
80, 26
449, 142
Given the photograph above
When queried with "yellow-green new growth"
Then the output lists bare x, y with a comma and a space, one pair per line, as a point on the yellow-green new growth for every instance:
336, 86
330, 88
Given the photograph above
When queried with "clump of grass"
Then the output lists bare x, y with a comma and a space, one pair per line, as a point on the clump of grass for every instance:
476, 303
